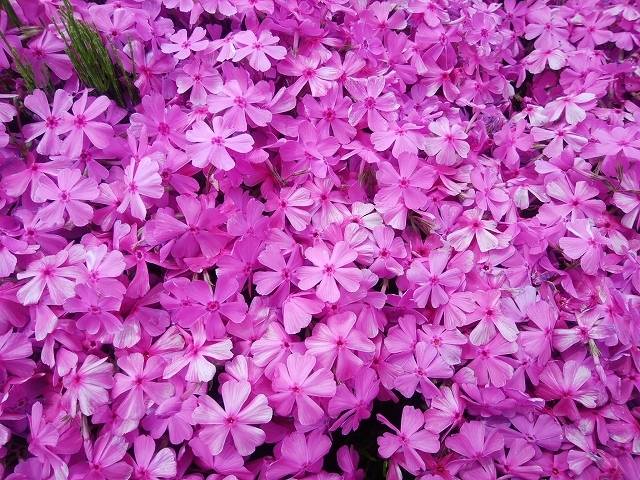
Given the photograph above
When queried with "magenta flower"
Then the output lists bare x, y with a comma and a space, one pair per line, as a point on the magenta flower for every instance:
408, 185
434, 282
476, 442
401, 138
150, 464
258, 49
242, 101
15, 350
87, 386
351, 407
474, 227
449, 144
425, 364
68, 196
140, 384
370, 101
195, 358
182, 44
52, 117
235, 419
328, 269
96, 309
337, 341
140, 179
211, 144
299, 454
587, 245
410, 439
105, 459
295, 384
50, 273
81, 123
568, 385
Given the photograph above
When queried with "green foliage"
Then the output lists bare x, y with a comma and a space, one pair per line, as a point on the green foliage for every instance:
23, 68
11, 13
91, 59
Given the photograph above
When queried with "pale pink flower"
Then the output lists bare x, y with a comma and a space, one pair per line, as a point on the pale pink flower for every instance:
152, 465
258, 49
182, 44
449, 144
338, 341
69, 195
295, 383
81, 123
410, 439
211, 144
88, 386
328, 269
587, 245
434, 282
141, 178
235, 418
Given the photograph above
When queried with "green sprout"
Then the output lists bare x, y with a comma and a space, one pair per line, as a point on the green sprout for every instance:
91, 59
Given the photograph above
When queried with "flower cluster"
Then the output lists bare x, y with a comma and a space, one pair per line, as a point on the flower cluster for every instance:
333, 239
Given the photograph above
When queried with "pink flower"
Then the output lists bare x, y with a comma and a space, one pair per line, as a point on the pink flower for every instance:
52, 117
87, 386
258, 49
140, 384
195, 358
105, 459
183, 44
289, 204
410, 439
449, 144
149, 466
425, 364
308, 71
295, 384
211, 143
331, 112
576, 200
435, 282
328, 269
370, 100
351, 407
200, 78
404, 138
236, 418
281, 273
81, 123
491, 317
489, 362
473, 226
337, 341
96, 309
572, 106
50, 273
15, 350
68, 196
537, 342
388, 250
476, 442
43, 441
299, 454
409, 185
140, 179
587, 245
568, 385
239, 99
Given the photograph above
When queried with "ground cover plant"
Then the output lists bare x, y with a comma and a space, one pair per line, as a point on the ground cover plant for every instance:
320, 239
